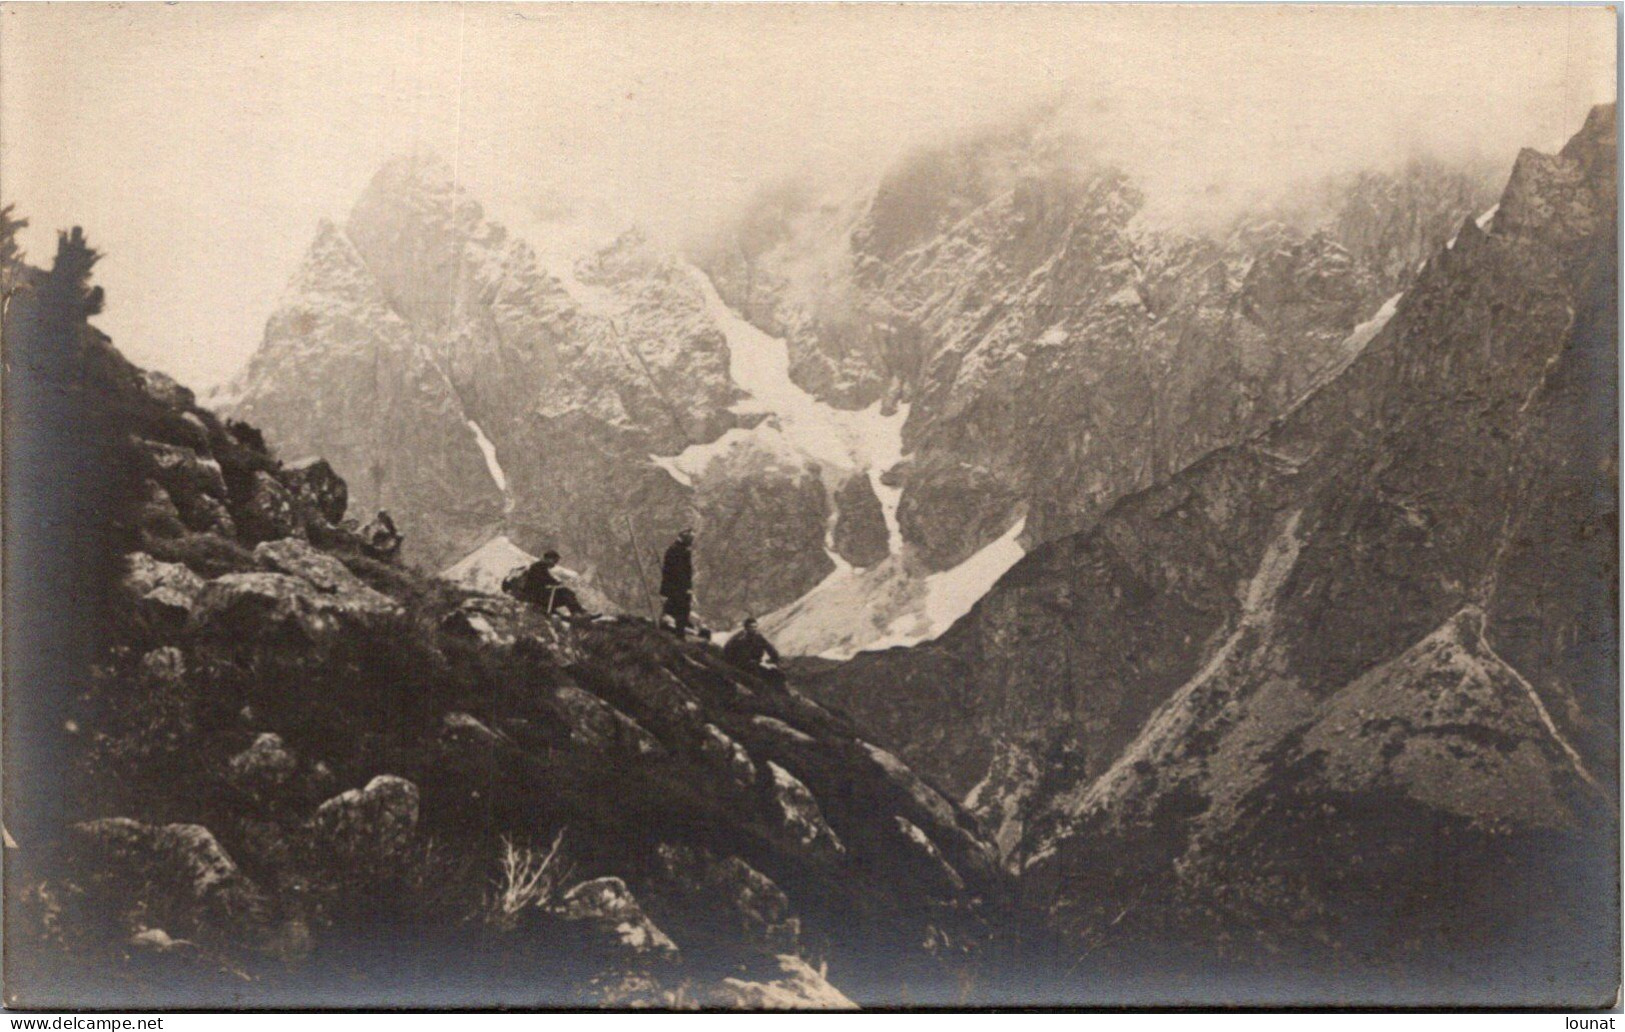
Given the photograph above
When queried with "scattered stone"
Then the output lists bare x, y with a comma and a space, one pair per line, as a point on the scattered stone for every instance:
157, 939
611, 909
800, 987
263, 767
465, 729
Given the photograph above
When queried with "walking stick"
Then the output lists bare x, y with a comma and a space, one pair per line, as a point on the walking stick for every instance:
637, 557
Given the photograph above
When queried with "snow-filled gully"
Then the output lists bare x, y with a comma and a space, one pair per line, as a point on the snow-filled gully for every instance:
852, 609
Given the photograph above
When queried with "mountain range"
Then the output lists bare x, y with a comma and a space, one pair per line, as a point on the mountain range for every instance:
870, 407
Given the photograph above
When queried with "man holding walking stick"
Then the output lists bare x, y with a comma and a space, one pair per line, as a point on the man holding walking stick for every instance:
677, 583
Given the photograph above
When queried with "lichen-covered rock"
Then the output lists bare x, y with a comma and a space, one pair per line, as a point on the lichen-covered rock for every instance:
176, 875
378, 820
256, 606
608, 908
164, 389
799, 810
798, 987
598, 725
158, 514
263, 768
268, 511
181, 470
296, 557
317, 488
193, 482
722, 900
164, 665
165, 592
728, 754
184, 853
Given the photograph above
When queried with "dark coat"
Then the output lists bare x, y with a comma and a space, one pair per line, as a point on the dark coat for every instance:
677, 571
747, 649
533, 584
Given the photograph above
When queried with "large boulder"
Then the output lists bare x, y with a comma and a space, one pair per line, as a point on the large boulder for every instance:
798, 809
596, 724
378, 820
175, 874
187, 854
317, 489
165, 593
297, 558
799, 987
724, 901
264, 768
311, 595
251, 606
613, 918
267, 511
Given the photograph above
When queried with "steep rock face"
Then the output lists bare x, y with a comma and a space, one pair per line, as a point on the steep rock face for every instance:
457, 383
1315, 619
1056, 350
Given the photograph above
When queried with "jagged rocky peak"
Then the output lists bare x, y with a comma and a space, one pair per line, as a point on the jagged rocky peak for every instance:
1330, 639
1056, 348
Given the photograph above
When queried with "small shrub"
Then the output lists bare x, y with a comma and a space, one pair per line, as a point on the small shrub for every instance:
527, 879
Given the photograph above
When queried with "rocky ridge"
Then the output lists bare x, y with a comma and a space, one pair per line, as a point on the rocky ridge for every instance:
1256, 703
291, 772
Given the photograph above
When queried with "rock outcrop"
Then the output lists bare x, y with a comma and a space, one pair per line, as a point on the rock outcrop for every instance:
287, 751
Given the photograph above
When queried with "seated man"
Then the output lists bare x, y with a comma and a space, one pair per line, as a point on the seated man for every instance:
749, 650
540, 586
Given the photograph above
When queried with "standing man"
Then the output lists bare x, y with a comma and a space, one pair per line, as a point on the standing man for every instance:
677, 583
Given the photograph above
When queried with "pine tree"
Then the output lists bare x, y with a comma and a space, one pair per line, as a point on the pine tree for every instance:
11, 257
69, 281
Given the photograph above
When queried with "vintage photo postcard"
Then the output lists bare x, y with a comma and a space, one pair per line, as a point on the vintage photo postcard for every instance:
700, 506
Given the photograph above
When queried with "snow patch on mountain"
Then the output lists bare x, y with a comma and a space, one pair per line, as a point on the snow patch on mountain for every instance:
489, 450
839, 439
889, 604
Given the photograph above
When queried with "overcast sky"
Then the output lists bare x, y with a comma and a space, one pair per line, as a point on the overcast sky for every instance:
199, 145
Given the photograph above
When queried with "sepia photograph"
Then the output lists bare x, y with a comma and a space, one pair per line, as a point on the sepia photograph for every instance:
767, 506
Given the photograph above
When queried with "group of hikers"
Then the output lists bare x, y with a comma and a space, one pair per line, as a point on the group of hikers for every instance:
539, 585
